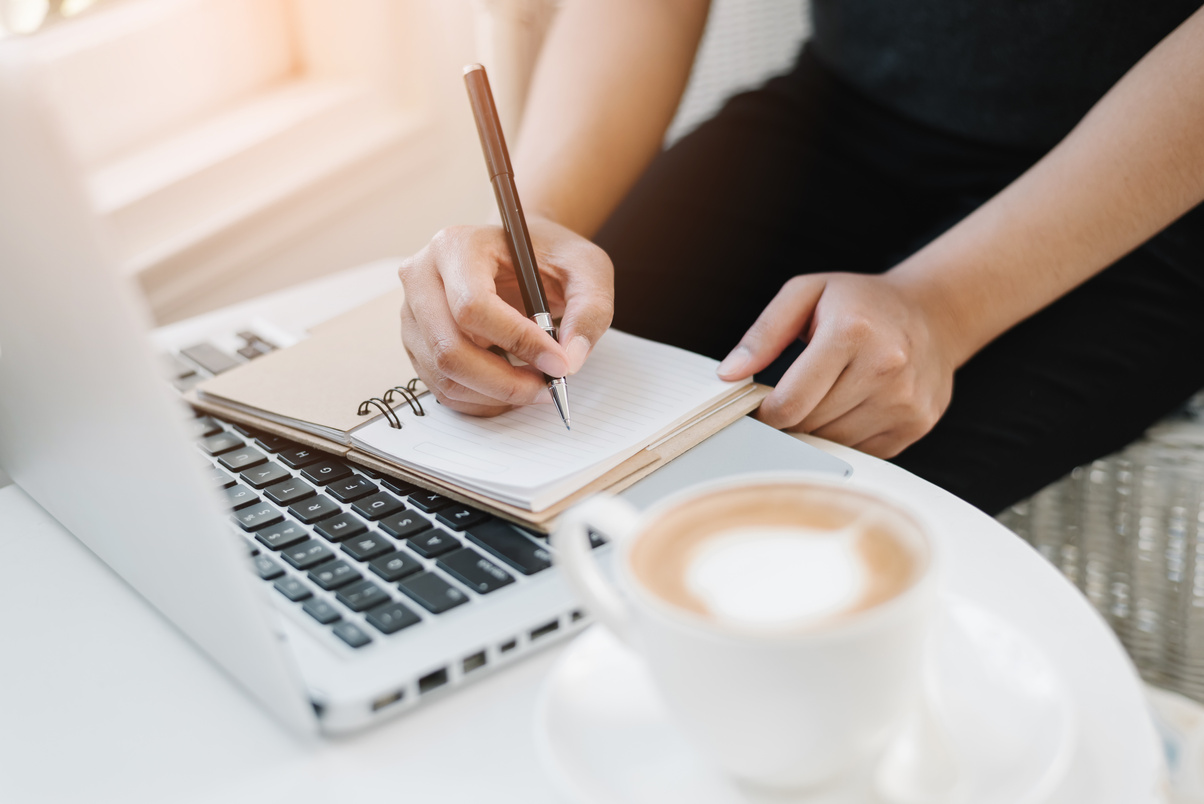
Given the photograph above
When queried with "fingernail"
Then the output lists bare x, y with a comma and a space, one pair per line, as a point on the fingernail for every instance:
735, 363
552, 365
577, 351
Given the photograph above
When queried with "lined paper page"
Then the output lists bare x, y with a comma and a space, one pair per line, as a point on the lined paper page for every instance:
630, 391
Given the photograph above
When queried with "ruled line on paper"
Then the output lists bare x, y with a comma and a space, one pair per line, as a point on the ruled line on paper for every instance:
629, 391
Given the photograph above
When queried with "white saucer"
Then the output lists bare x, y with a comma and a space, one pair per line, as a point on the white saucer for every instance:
605, 738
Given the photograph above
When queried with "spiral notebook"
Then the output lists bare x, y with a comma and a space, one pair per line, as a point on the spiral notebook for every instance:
349, 389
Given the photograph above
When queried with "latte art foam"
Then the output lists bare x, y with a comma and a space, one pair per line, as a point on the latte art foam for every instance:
775, 576
777, 557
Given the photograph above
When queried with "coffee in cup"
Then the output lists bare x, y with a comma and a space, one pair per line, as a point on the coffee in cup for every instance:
782, 617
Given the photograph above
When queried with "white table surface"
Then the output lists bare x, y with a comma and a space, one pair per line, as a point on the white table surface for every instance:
103, 700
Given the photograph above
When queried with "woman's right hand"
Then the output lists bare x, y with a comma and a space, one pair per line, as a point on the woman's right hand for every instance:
462, 297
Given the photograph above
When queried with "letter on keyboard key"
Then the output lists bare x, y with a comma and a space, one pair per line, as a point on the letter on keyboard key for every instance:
395, 566
262, 476
341, 527
351, 488
323, 472
433, 543
267, 568
287, 492
377, 506
404, 525
311, 511
475, 571
366, 548
459, 517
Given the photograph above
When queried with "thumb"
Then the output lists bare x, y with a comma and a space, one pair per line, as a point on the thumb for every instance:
780, 324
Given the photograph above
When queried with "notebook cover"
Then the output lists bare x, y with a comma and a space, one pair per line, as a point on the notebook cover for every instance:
345, 360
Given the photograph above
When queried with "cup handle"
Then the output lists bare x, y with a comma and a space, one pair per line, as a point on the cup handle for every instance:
617, 520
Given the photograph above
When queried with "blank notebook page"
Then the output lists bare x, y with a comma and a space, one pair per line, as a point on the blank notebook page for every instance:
630, 392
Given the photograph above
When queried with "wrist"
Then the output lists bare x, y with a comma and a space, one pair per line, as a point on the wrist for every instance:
948, 318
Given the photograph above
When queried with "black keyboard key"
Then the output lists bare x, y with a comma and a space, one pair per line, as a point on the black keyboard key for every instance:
596, 539
509, 545
404, 525
239, 496
296, 457
287, 492
392, 618
352, 634
245, 430
475, 571
267, 568
315, 510
218, 478
378, 505
283, 535
239, 459
398, 486
351, 488
341, 527
366, 548
334, 574
372, 473
434, 543
293, 589
432, 592
274, 443
307, 554
257, 517
362, 595
459, 517
321, 611
263, 476
430, 501
206, 426
210, 358
395, 566
220, 443
324, 472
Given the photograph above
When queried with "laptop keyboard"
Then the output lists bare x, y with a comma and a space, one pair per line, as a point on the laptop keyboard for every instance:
364, 555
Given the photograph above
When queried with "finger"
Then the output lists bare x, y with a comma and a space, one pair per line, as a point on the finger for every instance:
849, 391
861, 423
443, 354
780, 323
805, 384
885, 445
589, 309
477, 309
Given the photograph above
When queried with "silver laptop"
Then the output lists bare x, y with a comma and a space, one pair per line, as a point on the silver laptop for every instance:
329, 632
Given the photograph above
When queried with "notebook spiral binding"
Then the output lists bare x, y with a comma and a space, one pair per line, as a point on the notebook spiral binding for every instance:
384, 403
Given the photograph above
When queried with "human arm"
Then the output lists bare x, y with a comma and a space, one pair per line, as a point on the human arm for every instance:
877, 372
607, 84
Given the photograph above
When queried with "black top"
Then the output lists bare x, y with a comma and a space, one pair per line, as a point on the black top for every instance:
1010, 72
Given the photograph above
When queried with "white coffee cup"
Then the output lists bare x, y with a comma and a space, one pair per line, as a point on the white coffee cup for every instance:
780, 687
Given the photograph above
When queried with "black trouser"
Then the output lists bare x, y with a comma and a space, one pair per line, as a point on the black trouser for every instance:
806, 175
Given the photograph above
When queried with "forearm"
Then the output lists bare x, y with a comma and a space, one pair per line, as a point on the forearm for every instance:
1133, 165
605, 90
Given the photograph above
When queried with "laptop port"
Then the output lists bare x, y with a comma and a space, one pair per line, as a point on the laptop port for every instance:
545, 629
432, 680
506, 647
474, 661
384, 700
577, 615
